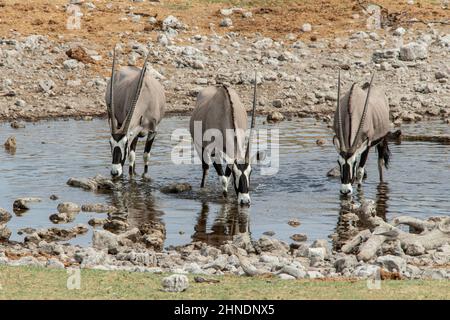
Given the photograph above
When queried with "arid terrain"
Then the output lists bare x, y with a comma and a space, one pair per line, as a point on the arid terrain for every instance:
55, 62
296, 47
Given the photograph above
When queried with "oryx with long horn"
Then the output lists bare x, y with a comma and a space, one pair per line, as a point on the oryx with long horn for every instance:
136, 105
361, 121
220, 116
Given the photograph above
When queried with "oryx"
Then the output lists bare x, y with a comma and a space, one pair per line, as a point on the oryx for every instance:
361, 121
136, 105
220, 114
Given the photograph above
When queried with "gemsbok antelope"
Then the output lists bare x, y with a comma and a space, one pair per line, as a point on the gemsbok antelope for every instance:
136, 104
220, 114
361, 121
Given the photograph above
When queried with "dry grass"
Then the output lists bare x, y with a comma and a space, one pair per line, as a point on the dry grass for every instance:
39, 283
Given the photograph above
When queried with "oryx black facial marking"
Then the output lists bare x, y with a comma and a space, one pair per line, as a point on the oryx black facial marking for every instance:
241, 175
119, 149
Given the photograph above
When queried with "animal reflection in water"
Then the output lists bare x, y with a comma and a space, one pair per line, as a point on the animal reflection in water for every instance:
348, 225
137, 202
231, 220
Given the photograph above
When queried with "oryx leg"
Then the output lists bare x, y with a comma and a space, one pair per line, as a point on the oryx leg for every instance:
383, 156
205, 167
148, 147
360, 174
132, 157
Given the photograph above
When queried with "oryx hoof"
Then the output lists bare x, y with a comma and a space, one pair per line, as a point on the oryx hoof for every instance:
146, 177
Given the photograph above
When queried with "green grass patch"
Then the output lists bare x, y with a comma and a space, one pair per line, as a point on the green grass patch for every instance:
41, 283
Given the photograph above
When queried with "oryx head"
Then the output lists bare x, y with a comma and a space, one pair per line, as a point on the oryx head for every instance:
120, 133
242, 170
350, 152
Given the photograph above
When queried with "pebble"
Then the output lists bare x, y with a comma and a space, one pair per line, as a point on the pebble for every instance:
175, 283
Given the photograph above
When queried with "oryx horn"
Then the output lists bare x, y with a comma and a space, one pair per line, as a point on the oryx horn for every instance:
342, 145
252, 125
363, 117
136, 96
111, 111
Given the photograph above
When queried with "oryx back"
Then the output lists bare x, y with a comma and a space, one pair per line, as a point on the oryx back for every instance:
220, 108
376, 124
150, 107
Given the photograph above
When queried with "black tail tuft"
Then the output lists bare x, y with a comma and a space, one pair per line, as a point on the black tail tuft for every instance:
386, 155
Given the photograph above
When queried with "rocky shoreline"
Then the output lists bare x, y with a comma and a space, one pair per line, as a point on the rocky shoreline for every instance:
371, 249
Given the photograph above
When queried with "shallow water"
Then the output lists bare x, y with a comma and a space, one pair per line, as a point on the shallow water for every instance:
49, 153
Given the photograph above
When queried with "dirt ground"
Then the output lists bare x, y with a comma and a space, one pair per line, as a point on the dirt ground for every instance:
271, 18
301, 77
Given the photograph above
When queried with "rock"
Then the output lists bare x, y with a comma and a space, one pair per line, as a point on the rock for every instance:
320, 142
90, 257
294, 223
400, 31
313, 274
318, 254
226, 12
322, 243
22, 204
299, 237
71, 64
98, 208
176, 188
392, 263
267, 244
293, 271
265, 43
20, 103
11, 144
93, 184
248, 268
306, 27
115, 226
5, 233
285, 276
94, 222
366, 271
277, 103
79, 53
435, 274
172, 22
414, 249
63, 217
441, 75
334, 173
175, 283
102, 239
17, 125
345, 262
413, 51
68, 207
53, 263
227, 22
272, 260
56, 234
5, 216
27, 261
274, 116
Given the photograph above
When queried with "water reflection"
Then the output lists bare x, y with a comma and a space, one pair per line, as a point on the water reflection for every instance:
230, 221
348, 224
136, 199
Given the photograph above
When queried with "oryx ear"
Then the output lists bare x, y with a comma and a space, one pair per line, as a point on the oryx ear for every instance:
336, 143
258, 157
